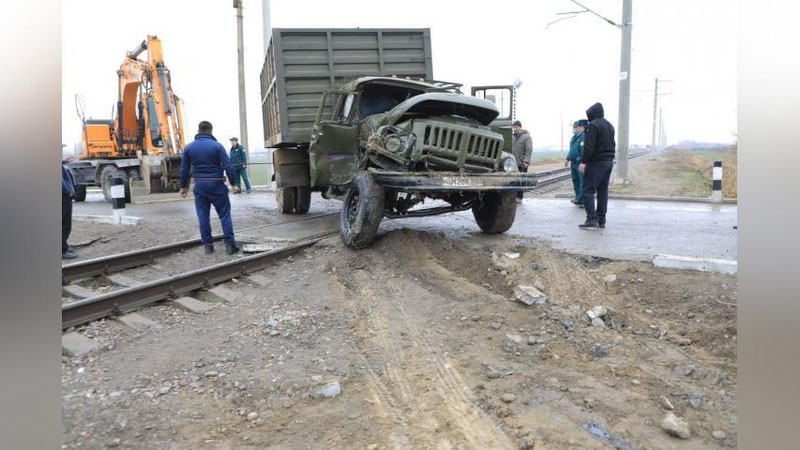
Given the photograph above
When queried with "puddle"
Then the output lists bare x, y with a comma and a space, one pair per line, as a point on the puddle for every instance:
601, 433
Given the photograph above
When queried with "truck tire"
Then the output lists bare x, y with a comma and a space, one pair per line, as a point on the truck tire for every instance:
285, 199
80, 193
302, 198
495, 211
106, 175
362, 211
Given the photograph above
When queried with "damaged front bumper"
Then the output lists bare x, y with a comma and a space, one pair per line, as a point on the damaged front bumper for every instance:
454, 181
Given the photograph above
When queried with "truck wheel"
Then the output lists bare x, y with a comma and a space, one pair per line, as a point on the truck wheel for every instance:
495, 211
106, 175
362, 211
285, 199
302, 198
80, 193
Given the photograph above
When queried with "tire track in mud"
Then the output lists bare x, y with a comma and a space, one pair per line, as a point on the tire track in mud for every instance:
418, 386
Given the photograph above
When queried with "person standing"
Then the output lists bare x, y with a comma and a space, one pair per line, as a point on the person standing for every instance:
521, 148
239, 161
596, 164
205, 159
67, 194
573, 158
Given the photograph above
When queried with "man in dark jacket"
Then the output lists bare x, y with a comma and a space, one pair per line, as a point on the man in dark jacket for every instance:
574, 157
67, 194
205, 160
596, 164
521, 148
239, 162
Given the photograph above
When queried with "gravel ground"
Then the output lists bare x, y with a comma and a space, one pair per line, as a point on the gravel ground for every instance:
418, 342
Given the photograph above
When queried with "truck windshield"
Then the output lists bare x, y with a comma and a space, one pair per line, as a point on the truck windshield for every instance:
378, 98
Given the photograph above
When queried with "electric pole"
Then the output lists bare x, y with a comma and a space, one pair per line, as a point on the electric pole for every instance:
242, 102
624, 91
655, 106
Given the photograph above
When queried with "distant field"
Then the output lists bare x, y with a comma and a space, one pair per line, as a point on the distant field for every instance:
542, 157
258, 170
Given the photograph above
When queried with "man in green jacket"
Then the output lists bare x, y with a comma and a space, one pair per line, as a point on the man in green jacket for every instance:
239, 163
521, 148
574, 159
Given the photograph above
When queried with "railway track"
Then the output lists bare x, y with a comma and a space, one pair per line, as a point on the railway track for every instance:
118, 301
553, 179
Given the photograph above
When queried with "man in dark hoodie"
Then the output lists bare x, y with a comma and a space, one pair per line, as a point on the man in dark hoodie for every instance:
67, 194
206, 159
596, 164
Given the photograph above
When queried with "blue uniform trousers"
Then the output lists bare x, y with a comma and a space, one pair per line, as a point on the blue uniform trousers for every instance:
207, 193
241, 173
577, 182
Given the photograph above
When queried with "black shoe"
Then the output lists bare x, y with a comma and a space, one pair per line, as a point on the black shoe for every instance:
231, 249
587, 225
579, 205
601, 225
209, 249
69, 254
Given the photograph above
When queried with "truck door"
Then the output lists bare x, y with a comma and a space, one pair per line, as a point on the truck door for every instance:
504, 98
334, 155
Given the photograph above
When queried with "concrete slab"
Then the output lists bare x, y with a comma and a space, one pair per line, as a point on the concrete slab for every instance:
138, 322
76, 344
259, 279
77, 291
219, 294
701, 264
122, 280
192, 305
126, 220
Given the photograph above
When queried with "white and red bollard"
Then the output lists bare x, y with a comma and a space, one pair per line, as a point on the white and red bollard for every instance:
716, 183
118, 199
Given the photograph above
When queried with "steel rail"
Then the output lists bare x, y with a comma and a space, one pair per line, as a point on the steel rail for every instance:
93, 308
114, 263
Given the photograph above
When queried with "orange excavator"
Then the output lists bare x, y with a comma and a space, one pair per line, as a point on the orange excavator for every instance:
143, 141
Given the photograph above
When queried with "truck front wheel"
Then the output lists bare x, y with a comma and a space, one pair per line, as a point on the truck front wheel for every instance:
495, 211
362, 211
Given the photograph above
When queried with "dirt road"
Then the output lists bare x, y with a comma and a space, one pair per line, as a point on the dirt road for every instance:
417, 343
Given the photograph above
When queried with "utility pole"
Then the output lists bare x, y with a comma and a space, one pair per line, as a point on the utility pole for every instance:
624, 91
242, 102
655, 106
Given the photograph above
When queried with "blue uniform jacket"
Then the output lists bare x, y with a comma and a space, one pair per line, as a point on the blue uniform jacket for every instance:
206, 159
238, 156
576, 148
67, 187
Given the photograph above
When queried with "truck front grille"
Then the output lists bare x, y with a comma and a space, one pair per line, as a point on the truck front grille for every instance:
476, 150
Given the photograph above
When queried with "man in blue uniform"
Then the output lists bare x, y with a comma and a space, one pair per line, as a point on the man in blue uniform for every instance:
67, 194
239, 162
205, 160
574, 157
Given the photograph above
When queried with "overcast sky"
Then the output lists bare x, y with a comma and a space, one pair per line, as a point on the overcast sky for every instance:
564, 68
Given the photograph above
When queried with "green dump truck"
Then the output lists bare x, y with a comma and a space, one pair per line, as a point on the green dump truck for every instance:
355, 114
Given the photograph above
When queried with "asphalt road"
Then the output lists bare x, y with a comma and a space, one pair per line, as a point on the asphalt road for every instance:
635, 230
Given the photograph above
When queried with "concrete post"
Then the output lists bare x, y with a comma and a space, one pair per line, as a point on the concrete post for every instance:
118, 199
242, 96
624, 92
716, 184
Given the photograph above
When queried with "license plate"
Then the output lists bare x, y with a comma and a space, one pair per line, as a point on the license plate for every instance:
456, 181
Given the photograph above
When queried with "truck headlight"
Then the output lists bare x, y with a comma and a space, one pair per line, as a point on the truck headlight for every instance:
394, 144
509, 164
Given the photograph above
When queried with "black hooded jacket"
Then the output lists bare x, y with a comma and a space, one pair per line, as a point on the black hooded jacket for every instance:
599, 142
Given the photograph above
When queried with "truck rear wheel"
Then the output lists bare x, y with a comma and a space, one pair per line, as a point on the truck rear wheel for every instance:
293, 200
80, 193
285, 199
495, 211
302, 198
362, 211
